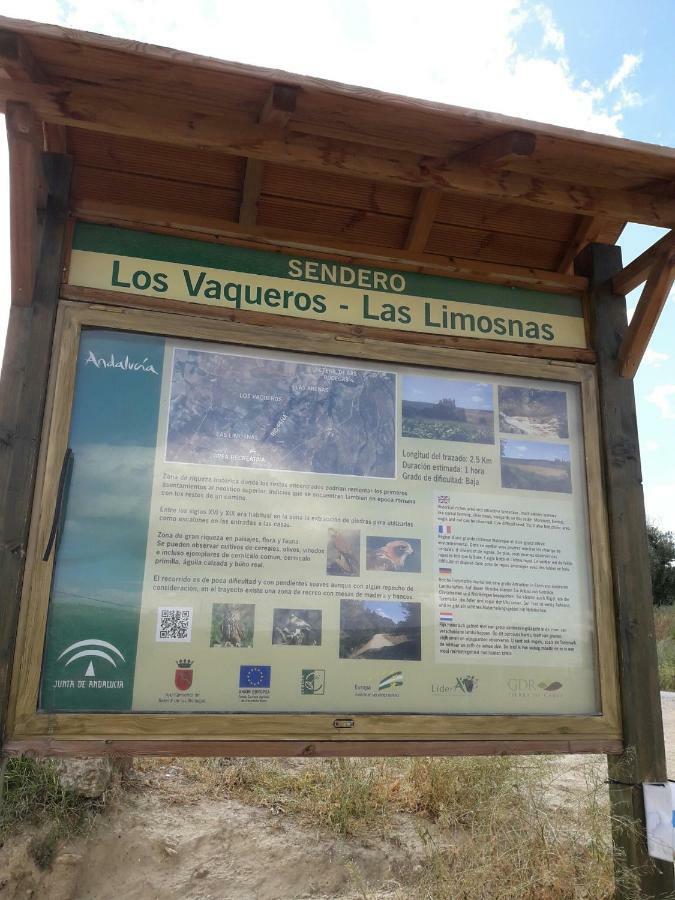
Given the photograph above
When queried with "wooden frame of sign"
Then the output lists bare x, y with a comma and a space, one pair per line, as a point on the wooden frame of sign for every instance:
295, 734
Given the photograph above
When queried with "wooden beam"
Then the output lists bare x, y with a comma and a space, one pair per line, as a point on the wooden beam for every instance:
115, 111
425, 212
499, 151
250, 192
277, 111
279, 106
17, 61
644, 757
154, 747
327, 245
587, 232
637, 271
646, 315
23, 388
19, 64
24, 141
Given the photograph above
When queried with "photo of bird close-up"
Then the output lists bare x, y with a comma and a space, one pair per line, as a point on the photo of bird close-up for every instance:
393, 555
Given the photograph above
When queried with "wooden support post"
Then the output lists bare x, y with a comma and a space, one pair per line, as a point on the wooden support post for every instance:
24, 385
24, 142
644, 755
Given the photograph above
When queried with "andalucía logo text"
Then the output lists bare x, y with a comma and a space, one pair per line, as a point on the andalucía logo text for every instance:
126, 364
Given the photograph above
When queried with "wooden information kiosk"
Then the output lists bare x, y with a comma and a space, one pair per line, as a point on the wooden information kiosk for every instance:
317, 428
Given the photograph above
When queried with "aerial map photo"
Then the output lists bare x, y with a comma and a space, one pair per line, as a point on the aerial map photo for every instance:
273, 413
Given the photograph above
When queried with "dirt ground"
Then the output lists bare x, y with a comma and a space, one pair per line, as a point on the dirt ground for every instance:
193, 848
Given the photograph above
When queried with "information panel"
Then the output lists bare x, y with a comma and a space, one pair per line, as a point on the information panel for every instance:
264, 531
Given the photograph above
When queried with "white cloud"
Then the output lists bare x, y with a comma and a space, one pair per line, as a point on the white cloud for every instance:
553, 36
655, 358
660, 504
629, 64
472, 56
650, 446
663, 397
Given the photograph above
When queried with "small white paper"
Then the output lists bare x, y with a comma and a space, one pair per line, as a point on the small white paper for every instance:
658, 798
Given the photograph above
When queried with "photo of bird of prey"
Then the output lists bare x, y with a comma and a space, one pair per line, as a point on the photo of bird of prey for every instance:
232, 624
343, 552
393, 554
297, 627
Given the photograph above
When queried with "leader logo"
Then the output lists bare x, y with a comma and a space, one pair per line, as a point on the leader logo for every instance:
313, 681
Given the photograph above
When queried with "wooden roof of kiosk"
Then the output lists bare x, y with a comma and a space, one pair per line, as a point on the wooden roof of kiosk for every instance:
165, 139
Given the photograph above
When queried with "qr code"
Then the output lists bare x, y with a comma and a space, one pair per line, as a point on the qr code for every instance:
174, 623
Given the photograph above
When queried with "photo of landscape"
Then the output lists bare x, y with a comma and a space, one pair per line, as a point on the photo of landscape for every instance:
281, 413
441, 409
536, 466
380, 629
532, 411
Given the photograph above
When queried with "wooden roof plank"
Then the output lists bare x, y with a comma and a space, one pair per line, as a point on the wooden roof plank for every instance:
93, 185
68, 44
646, 315
131, 114
323, 245
136, 156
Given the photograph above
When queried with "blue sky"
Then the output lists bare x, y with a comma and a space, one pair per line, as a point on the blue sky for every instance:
603, 65
389, 608
468, 394
535, 450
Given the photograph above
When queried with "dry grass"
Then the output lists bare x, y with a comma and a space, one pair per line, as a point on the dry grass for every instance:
492, 828
511, 828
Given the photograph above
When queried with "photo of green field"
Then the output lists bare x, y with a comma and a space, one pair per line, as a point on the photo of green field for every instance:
440, 409
536, 466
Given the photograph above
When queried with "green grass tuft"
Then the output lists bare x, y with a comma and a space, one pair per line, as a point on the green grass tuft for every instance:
32, 797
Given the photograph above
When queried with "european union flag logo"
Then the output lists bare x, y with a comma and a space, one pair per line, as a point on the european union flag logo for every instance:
255, 676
